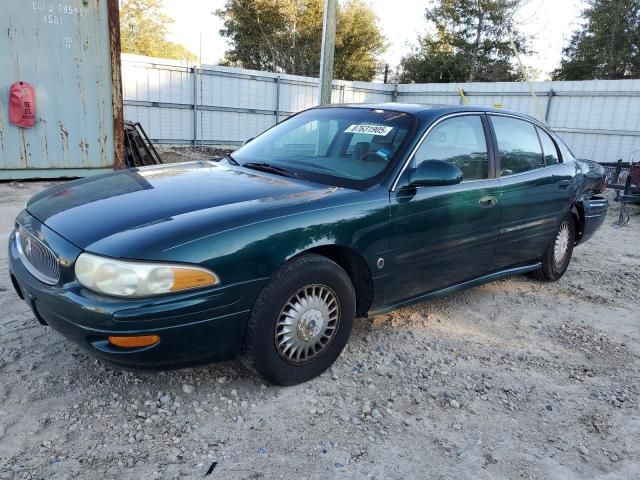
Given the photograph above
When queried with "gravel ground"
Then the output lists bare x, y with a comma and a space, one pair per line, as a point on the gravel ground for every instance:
511, 380
179, 153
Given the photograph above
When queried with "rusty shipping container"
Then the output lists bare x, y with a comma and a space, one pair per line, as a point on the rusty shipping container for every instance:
69, 51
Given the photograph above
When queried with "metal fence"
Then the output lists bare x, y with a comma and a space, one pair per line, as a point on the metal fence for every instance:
599, 119
219, 105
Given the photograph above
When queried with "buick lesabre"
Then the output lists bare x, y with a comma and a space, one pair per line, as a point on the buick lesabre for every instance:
268, 254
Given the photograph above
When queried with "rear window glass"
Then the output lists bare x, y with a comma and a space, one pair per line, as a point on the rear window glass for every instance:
519, 146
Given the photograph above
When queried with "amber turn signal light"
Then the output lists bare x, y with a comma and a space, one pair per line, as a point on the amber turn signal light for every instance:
134, 342
185, 279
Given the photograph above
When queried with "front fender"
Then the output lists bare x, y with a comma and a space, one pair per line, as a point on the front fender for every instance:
357, 220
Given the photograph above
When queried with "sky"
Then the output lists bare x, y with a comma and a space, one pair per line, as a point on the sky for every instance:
549, 24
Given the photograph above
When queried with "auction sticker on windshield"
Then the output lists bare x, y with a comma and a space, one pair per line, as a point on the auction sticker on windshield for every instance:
379, 130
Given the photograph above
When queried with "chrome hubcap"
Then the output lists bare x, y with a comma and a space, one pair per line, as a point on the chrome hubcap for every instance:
561, 247
307, 323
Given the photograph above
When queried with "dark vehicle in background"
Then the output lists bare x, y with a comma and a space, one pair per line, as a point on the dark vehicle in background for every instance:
270, 254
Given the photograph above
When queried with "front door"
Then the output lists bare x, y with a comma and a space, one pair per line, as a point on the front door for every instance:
535, 189
440, 236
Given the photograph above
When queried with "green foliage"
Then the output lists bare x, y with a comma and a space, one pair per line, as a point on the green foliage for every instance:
144, 29
286, 36
607, 45
471, 43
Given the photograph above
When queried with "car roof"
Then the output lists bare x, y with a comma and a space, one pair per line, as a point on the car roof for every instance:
426, 111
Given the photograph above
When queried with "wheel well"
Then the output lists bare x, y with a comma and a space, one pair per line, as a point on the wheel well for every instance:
357, 269
578, 213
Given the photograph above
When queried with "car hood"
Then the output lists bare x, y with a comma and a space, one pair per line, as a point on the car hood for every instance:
96, 208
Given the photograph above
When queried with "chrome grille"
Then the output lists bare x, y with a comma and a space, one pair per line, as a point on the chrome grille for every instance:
37, 257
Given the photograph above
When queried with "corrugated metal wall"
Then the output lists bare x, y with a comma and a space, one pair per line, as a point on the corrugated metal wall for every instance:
62, 48
221, 105
599, 119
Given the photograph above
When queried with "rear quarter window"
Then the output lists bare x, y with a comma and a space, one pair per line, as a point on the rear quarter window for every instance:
549, 148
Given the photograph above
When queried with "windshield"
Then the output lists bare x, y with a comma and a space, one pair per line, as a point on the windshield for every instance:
352, 147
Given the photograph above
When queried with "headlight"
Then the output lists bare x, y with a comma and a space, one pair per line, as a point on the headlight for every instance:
138, 279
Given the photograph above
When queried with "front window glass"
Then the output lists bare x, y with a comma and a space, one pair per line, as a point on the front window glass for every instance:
337, 146
518, 144
461, 141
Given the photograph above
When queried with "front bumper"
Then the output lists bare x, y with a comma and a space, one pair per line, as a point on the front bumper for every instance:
194, 327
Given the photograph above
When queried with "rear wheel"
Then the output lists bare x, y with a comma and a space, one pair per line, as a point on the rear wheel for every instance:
300, 322
558, 256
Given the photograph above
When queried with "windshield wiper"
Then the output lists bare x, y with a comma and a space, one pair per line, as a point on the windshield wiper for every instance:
229, 158
270, 168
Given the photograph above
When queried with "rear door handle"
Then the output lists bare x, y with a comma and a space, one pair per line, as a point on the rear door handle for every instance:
488, 201
564, 184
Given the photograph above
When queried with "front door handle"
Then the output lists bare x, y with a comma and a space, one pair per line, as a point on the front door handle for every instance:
564, 184
488, 201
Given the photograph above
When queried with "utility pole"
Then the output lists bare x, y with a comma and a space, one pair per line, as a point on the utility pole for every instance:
328, 49
536, 101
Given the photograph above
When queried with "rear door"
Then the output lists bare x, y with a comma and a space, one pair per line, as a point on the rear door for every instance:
535, 190
440, 236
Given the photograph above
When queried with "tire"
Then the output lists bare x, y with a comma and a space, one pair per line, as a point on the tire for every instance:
553, 266
306, 310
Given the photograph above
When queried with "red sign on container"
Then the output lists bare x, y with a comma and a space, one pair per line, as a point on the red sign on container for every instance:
22, 105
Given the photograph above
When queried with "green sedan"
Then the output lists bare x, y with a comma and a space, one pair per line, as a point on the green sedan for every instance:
269, 254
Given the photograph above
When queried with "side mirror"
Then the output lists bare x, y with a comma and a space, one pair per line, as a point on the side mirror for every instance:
435, 173
247, 141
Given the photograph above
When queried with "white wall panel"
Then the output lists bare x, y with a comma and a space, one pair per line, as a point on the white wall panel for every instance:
598, 119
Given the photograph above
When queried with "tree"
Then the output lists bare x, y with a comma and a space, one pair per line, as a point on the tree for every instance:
286, 35
144, 29
607, 45
471, 43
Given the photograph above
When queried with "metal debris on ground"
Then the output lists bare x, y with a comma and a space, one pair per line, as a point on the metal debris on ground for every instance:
624, 178
139, 151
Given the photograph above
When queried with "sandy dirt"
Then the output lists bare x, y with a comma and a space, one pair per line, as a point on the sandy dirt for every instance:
511, 380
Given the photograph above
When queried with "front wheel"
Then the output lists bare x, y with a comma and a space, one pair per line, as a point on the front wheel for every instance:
557, 257
300, 322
